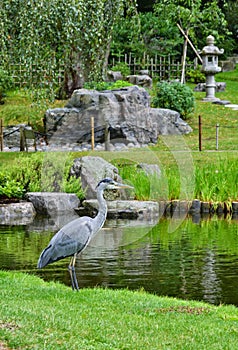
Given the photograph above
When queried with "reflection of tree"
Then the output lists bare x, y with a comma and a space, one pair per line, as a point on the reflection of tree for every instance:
210, 282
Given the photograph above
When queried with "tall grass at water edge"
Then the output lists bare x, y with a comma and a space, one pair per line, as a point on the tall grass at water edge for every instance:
214, 179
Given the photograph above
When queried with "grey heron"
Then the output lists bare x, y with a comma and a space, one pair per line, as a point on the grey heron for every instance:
74, 237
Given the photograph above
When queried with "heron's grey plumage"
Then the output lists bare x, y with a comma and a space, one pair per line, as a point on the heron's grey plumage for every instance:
74, 237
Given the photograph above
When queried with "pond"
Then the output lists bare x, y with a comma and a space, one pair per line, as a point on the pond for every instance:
174, 257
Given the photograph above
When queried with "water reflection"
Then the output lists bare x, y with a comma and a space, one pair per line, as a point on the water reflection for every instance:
195, 261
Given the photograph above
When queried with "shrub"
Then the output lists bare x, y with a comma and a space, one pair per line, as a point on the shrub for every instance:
103, 85
10, 188
35, 173
195, 76
121, 67
175, 96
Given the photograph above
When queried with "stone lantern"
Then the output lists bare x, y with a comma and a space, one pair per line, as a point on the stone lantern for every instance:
210, 67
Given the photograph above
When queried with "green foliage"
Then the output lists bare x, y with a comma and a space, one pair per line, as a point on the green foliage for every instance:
195, 76
6, 82
33, 173
55, 34
175, 96
121, 67
217, 182
9, 187
198, 18
103, 85
120, 84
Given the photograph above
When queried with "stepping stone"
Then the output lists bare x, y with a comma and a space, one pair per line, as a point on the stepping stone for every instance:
233, 106
221, 102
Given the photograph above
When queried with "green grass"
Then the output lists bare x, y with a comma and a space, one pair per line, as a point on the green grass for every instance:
39, 315
212, 114
19, 107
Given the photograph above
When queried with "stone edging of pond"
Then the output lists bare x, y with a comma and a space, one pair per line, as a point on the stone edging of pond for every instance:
124, 209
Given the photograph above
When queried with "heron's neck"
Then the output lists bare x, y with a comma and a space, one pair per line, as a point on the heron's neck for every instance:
102, 209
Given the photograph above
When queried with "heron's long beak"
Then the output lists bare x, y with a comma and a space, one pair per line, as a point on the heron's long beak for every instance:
119, 186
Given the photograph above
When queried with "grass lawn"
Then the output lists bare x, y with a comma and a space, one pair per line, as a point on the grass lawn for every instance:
40, 315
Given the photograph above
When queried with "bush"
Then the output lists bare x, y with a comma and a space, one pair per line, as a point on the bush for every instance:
175, 96
10, 188
36, 173
195, 76
103, 85
123, 68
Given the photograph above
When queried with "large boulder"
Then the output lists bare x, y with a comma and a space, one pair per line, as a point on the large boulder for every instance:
125, 112
53, 203
91, 170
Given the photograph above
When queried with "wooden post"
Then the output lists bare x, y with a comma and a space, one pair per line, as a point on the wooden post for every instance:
92, 132
22, 139
1, 134
200, 132
217, 134
107, 137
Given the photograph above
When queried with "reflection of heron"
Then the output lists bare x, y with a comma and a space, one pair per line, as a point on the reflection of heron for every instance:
74, 237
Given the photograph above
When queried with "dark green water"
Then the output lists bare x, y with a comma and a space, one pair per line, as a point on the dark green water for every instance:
195, 261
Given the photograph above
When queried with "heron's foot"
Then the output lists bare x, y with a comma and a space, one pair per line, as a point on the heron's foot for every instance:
73, 277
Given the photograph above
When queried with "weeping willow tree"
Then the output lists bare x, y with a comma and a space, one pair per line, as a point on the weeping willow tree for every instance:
74, 34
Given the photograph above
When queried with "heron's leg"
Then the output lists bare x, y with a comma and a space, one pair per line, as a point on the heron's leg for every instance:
71, 274
74, 273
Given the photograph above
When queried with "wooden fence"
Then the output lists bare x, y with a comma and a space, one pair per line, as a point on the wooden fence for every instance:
159, 67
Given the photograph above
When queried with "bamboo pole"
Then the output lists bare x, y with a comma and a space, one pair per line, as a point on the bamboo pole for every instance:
185, 46
190, 43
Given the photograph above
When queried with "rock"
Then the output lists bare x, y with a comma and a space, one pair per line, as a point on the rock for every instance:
114, 76
126, 208
140, 80
53, 203
227, 65
11, 136
126, 112
150, 169
15, 213
91, 170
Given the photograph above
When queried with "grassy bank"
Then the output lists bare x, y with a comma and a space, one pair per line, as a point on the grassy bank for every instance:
39, 315
208, 176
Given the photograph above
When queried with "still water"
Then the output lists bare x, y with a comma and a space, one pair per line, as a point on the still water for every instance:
173, 257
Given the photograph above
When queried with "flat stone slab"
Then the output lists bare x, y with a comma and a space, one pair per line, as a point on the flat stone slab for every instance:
124, 208
222, 102
232, 106
52, 203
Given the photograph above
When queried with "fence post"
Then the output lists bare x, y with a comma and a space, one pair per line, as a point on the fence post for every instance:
200, 132
107, 137
22, 139
217, 136
1, 134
